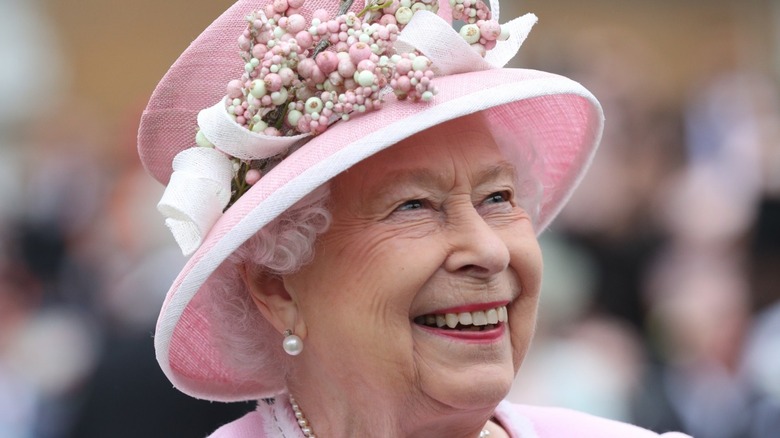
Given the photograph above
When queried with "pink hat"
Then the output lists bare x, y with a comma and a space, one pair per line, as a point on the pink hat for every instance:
557, 116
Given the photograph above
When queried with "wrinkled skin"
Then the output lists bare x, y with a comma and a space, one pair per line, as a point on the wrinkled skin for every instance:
431, 223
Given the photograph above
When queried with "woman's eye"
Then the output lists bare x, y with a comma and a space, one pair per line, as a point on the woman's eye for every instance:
497, 197
414, 204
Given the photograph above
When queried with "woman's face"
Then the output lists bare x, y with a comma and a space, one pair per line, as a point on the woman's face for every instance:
428, 229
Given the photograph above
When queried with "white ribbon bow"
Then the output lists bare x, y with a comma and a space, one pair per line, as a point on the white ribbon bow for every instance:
200, 186
450, 54
235, 140
197, 193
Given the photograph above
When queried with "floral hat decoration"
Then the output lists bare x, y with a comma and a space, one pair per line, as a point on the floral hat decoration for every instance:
276, 97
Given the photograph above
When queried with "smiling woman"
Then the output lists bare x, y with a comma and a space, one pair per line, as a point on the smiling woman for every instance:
362, 209
453, 241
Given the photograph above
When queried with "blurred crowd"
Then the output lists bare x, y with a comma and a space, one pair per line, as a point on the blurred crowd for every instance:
662, 297
661, 301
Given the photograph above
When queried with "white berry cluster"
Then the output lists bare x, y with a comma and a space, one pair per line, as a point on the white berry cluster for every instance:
469, 11
301, 75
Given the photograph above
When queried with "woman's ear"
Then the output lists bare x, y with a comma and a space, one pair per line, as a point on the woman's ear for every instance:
273, 300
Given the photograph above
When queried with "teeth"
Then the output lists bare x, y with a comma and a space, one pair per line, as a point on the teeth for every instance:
492, 316
452, 320
481, 319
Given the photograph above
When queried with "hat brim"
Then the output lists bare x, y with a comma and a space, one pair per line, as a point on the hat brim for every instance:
557, 116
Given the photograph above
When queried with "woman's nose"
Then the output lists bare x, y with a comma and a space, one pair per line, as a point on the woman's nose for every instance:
476, 247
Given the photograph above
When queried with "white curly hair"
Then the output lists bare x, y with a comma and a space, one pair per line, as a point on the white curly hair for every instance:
281, 247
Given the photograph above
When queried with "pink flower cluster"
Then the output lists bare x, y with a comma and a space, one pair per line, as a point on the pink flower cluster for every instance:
302, 76
469, 11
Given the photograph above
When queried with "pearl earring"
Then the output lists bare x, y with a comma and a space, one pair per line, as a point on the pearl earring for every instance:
292, 344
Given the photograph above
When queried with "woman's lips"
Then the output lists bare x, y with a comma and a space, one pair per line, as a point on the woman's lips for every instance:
480, 323
488, 333
477, 320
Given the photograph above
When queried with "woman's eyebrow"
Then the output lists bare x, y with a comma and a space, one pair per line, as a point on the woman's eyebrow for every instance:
420, 176
394, 180
428, 177
501, 170
423, 177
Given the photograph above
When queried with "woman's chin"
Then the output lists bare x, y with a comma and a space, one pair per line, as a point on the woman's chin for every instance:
464, 373
469, 388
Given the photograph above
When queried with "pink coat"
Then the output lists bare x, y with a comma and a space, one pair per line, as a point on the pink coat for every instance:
276, 420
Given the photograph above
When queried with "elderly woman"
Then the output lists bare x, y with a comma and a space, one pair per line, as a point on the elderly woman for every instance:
361, 188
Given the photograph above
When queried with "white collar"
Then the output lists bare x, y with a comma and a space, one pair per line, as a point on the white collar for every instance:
278, 417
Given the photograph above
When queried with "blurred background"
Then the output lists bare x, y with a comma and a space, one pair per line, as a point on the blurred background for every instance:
661, 302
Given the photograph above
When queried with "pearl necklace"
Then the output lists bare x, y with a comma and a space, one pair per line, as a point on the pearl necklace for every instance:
309, 433
302, 421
